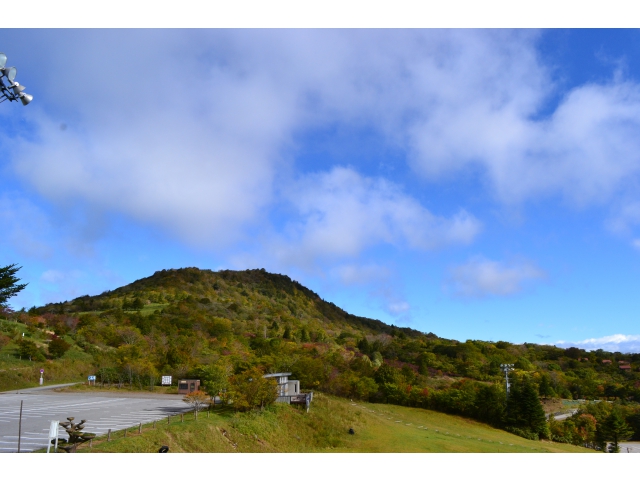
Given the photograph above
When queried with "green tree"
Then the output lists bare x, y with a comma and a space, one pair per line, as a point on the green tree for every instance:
287, 333
490, 404
524, 410
28, 349
58, 347
215, 380
9, 286
545, 388
615, 429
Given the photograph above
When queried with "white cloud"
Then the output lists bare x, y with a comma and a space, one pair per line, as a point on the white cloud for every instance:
398, 308
354, 274
612, 343
341, 213
626, 216
636, 243
194, 131
480, 277
58, 276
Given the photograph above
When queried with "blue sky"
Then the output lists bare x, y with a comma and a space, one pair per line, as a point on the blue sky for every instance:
477, 184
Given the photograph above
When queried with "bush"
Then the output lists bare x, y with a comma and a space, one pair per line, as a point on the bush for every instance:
524, 433
29, 350
58, 347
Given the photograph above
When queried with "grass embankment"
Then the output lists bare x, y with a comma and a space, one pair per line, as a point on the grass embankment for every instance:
113, 388
17, 372
283, 428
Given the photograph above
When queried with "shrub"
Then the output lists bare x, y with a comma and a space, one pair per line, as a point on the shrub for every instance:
58, 347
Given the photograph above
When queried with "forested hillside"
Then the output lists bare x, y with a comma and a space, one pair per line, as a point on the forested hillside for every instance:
181, 322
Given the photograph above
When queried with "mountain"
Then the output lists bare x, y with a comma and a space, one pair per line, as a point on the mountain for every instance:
179, 322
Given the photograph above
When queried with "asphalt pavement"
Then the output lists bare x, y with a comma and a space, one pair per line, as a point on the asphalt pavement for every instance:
101, 411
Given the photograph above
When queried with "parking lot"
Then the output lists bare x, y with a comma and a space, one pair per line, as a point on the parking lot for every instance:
102, 412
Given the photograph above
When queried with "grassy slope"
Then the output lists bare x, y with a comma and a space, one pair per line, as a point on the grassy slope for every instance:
18, 373
282, 428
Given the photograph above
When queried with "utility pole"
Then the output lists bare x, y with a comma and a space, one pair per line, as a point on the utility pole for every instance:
20, 426
506, 368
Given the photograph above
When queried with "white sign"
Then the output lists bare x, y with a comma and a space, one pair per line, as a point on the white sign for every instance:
53, 433
92, 378
166, 380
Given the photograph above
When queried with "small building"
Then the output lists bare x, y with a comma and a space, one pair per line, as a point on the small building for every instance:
289, 390
188, 385
606, 362
626, 367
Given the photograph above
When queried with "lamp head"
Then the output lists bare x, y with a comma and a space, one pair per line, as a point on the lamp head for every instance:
17, 88
3, 60
25, 99
10, 73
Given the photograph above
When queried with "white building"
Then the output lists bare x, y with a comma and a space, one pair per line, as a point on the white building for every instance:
289, 390
286, 387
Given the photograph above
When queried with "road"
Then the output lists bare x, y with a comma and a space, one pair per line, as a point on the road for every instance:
629, 447
103, 411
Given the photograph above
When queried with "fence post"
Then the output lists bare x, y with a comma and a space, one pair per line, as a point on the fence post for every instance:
109, 435
168, 419
125, 433
182, 418
154, 424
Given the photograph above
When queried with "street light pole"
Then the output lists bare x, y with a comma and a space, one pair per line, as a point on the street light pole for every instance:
9, 89
506, 368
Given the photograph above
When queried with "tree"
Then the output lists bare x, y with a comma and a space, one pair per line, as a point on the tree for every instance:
29, 349
250, 389
215, 380
524, 410
545, 388
197, 400
58, 347
615, 429
9, 286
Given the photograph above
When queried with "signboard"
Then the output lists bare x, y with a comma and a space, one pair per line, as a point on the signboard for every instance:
92, 378
53, 433
166, 380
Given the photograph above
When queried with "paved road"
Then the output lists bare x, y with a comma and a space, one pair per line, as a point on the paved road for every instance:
101, 411
630, 447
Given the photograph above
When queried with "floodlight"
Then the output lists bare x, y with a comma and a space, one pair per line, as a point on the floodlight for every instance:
25, 98
3, 60
10, 73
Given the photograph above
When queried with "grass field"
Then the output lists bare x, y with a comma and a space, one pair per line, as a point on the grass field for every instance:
283, 428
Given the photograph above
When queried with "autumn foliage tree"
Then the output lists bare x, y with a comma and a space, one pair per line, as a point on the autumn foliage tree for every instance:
250, 390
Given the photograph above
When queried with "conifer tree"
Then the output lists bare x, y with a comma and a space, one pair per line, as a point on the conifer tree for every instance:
9, 283
615, 429
524, 410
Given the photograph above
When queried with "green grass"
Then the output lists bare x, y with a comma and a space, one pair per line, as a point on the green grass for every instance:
283, 428
85, 387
